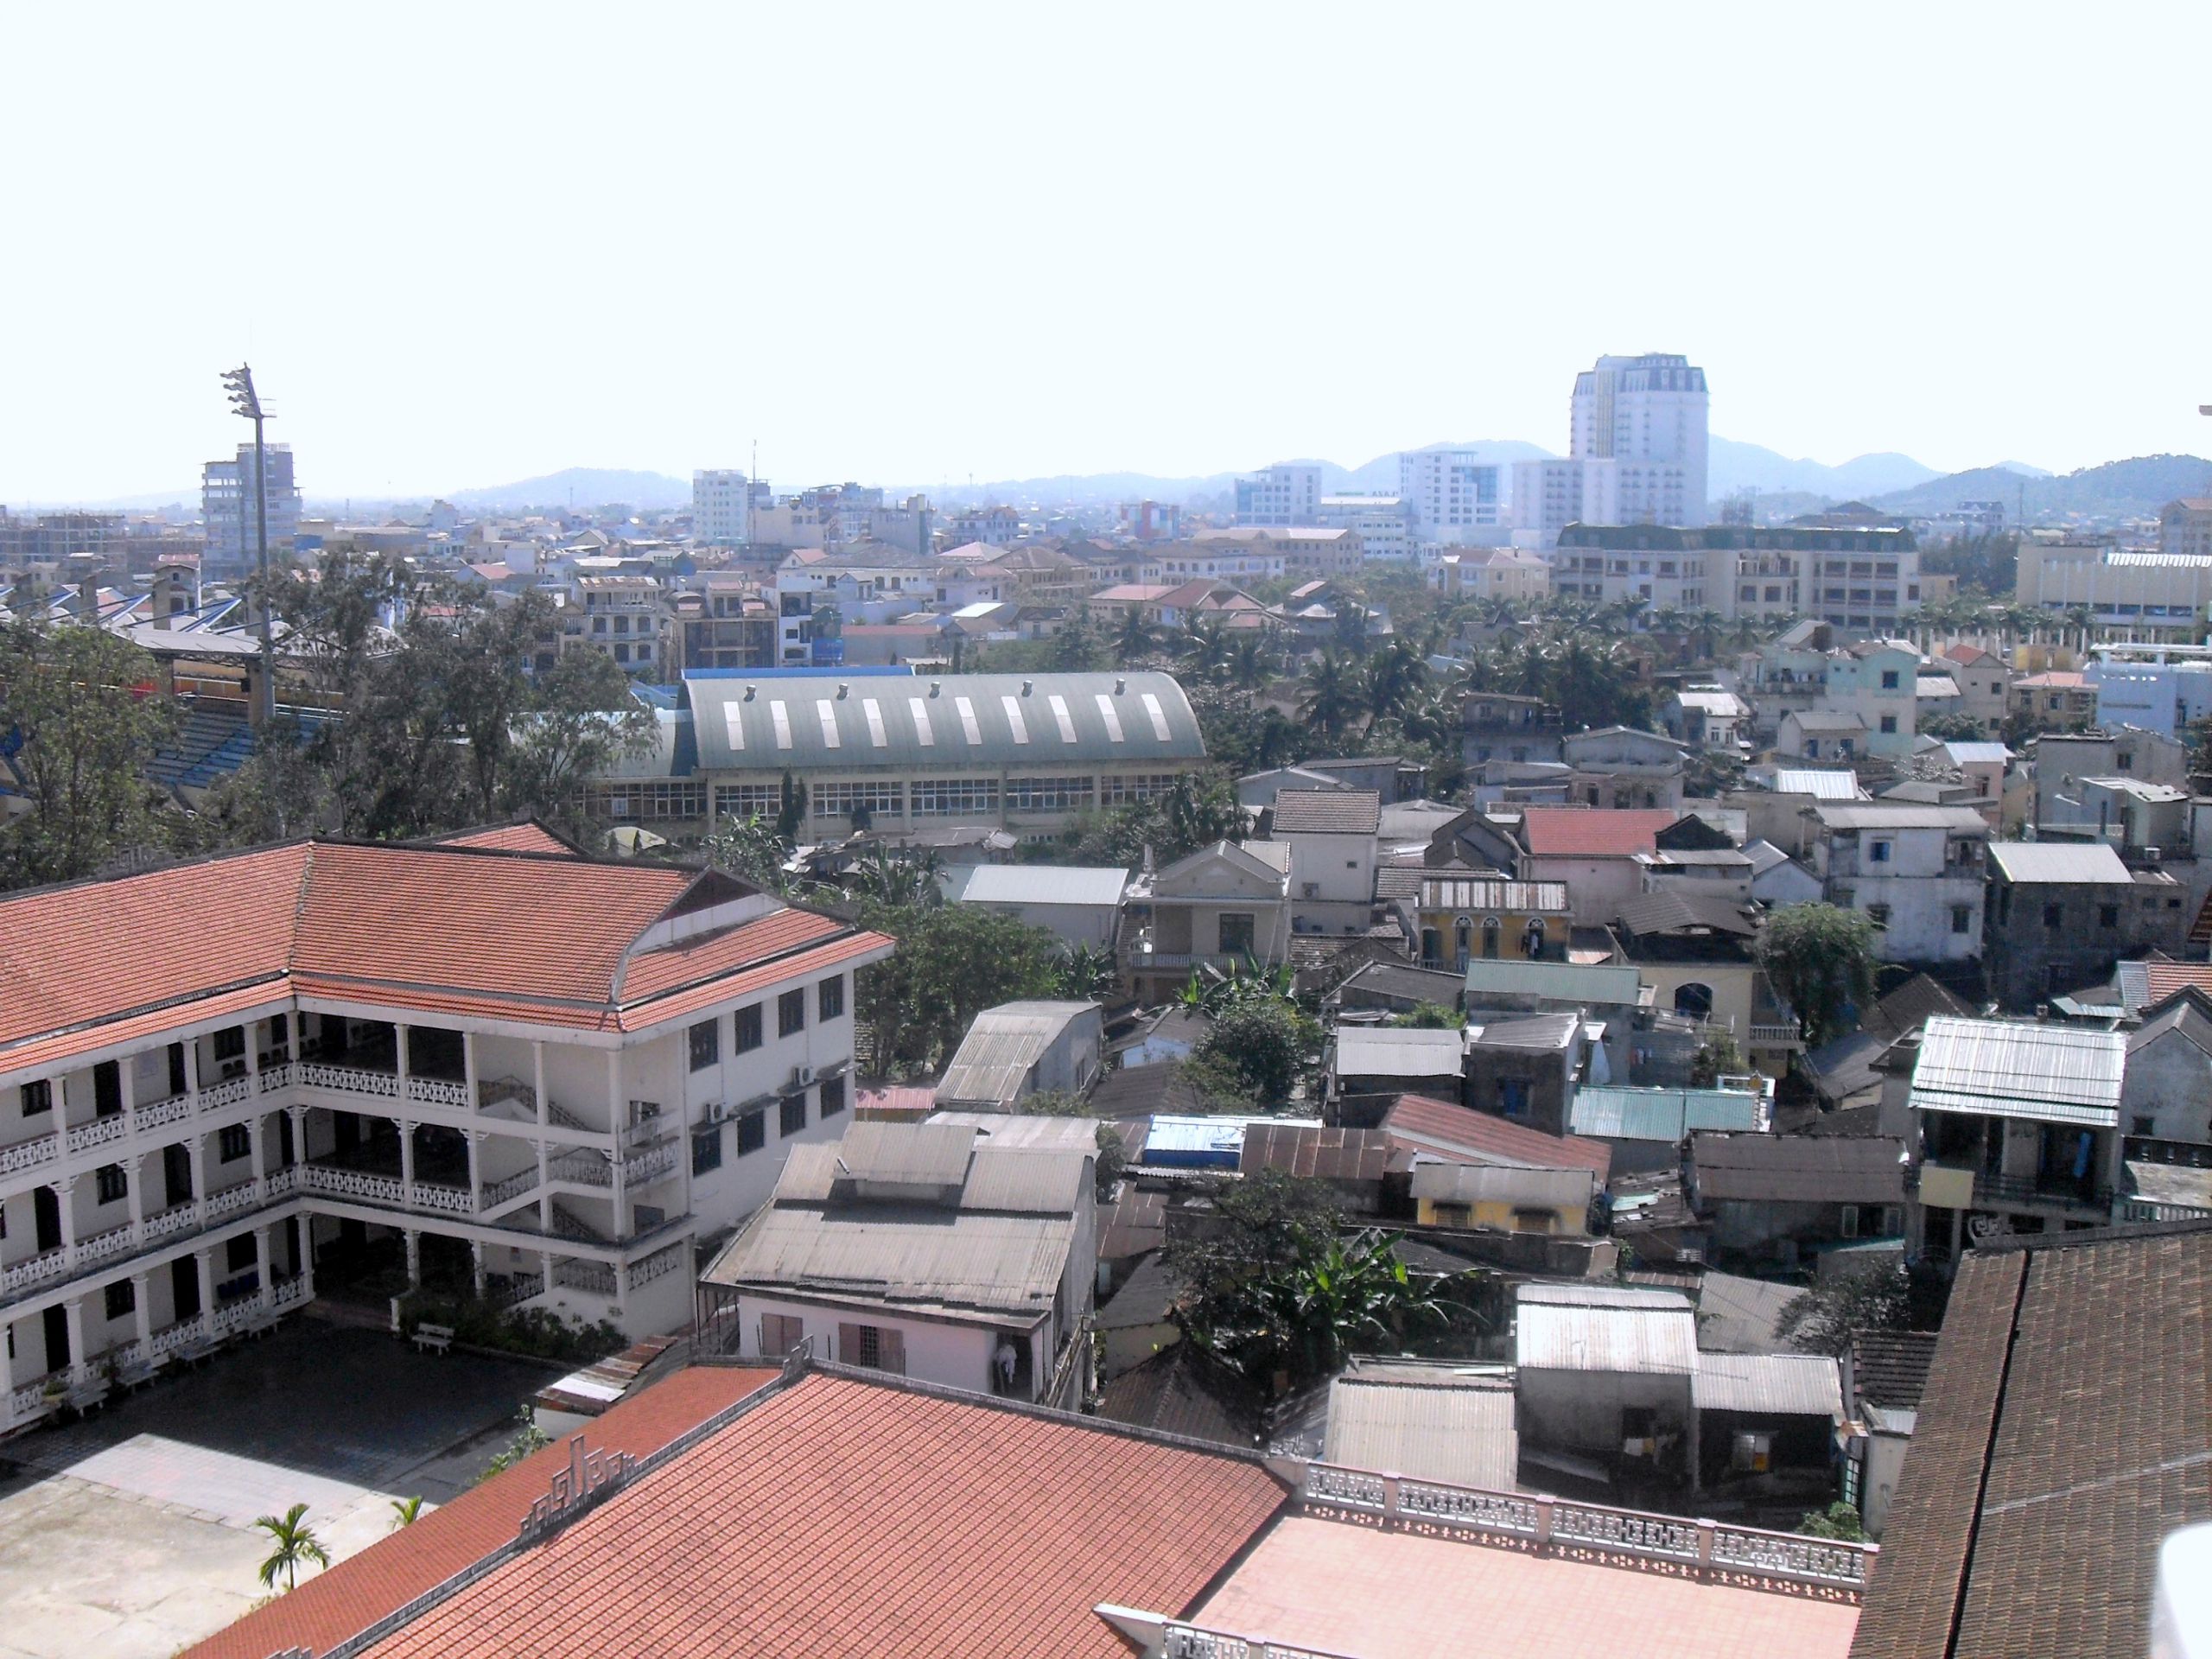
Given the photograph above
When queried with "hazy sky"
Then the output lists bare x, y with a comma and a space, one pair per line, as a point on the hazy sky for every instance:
463, 244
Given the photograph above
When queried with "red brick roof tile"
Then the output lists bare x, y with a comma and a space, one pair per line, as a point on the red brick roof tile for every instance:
1571, 832
351, 1596
531, 837
841, 1516
1441, 1130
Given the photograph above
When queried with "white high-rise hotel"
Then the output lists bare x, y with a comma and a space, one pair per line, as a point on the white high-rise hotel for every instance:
1647, 415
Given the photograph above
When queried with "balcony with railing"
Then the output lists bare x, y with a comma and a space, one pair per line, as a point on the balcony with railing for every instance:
2082, 1196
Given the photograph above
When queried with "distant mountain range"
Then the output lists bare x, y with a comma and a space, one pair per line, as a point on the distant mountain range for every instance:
2134, 489
1730, 466
583, 487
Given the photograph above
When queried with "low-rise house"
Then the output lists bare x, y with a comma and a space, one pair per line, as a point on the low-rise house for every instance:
1427, 1420
1983, 767
1512, 1198
1700, 958
1019, 1049
1917, 872
1707, 717
1369, 1069
1331, 834
1161, 1038
1888, 1372
1985, 683
1603, 1374
1777, 1197
1766, 1426
1257, 791
1625, 769
1823, 734
1352, 1162
1137, 1323
1392, 988
1646, 1128
1776, 798
2166, 1095
2062, 760
1526, 1067
2019, 1127
923, 1250
1430, 1129
1459, 917
1498, 725
2056, 697
1223, 907
1594, 855
1611, 999
2063, 915
1077, 905
1777, 879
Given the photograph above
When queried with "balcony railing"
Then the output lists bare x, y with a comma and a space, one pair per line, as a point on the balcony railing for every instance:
1778, 1035
499, 1192
349, 1079
279, 1074
594, 1276
228, 1092
117, 1241
27, 1155
438, 1091
42, 1268
168, 1223
100, 1132
659, 1263
1668, 1543
232, 1200
2048, 1191
153, 1113
354, 1184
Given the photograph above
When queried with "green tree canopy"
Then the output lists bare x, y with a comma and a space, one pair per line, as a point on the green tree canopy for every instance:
1820, 960
1260, 1040
952, 962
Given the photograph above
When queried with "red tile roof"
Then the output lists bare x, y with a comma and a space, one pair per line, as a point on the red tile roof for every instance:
531, 837
843, 1516
451, 928
1441, 1128
362, 1589
2165, 978
1569, 832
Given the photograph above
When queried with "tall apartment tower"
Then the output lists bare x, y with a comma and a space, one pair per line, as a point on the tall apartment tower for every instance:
1452, 493
720, 508
1648, 414
1282, 494
228, 508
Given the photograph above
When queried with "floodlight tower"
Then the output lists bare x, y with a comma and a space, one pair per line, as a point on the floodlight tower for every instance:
245, 402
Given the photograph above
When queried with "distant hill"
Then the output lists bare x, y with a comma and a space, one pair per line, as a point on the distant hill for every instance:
2118, 489
585, 486
1731, 466
1209, 490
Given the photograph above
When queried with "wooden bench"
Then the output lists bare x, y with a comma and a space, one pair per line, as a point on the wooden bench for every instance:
433, 1339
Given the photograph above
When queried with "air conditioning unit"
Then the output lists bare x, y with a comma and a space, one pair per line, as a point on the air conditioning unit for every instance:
717, 1111
803, 1076
2152, 854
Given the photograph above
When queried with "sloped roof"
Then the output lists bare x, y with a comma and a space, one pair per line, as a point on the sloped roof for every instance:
976, 1522
1184, 1391
1572, 832
1678, 913
1643, 1114
1044, 884
2055, 862
1457, 1430
1596, 984
1790, 1385
1999, 1068
1889, 1368
1825, 786
1798, 1169
1436, 1128
995, 1057
548, 937
1441, 891
1316, 1150
1328, 811
1458, 1183
1604, 1328
987, 721
1397, 1053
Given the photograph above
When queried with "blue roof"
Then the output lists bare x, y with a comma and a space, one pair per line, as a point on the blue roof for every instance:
1195, 1142
1667, 1115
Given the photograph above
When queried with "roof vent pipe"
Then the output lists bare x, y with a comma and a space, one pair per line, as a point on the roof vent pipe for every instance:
933, 688
842, 689
1027, 686
1121, 685
749, 690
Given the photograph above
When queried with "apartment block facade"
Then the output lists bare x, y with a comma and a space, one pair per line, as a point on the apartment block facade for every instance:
491, 1063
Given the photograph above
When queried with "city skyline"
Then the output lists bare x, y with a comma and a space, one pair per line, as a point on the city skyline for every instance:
512, 267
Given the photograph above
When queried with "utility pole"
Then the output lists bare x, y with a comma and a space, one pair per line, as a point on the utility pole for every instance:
245, 402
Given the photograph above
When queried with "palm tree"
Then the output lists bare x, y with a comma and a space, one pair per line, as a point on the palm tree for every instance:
1205, 647
406, 1511
294, 1542
1332, 698
1134, 639
1249, 665
1706, 628
899, 880
1394, 675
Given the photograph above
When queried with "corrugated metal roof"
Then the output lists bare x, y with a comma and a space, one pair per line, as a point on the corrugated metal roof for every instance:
1178, 1143
995, 1055
953, 723
1044, 884
1457, 1432
1667, 1115
1328, 811
1314, 1149
1738, 1315
1015, 1130
1600, 984
1437, 1127
1999, 1068
906, 1154
1503, 1184
1538, 1030
1798, 1169
1901, 815
1977, 754
950, 1262
1025, 1181
1475, 893
2058, 862
1652, 1332
1789, 1385
1397, 1053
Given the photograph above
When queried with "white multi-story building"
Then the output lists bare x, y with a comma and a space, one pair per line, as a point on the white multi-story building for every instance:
1549, 495
1288, 492
1383, 523
488, 1063
722, 508
228, 509
1452, 493
1648, 414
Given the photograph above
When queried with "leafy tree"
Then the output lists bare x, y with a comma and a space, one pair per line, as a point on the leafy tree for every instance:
902, 878
1429, 1016
1205, 650
750, 849
1820, 960
1133, 640
580, 720
292, 1543
1332, 697
529, 1438
952, 962
1088, 975
1717, 1057
1952, 728
791, 816
79, 717
1262, 1220
1261, 1041
1078, 647
1839, 1520
1909, 1296
1396, 675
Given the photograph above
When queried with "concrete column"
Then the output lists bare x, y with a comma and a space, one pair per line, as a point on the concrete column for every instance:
414, 1258
407, 1159
475, 1169
476, 1264
58, 1093
258, 1140
537, 1080
253, 1058
73, 1310
305, 1223
204, 1259
614, 1089
299, 1115
136, 1191
65, 1193
264, 1238
127, 1090
399, 1053
545, 1269
198, 1155
192, 1072
621, 1192
142, 1305
468, 1066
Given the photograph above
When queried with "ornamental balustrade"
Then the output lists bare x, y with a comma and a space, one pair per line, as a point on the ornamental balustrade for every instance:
30, 1398
436, 1091
594, 1276
281, 1075
231, 1199
117, 1241
288, 1292
582, 1166
454, 1200
182, 1334
349, 1079
27, 1154
518, 1287
1705, 1546
659, 1263
99, 1132
233, 1317
156, 1113
35, 1270
649, 1166
354, 1184
1189, 1642
228, 1092
283, 1182
499, 1192
168, 1223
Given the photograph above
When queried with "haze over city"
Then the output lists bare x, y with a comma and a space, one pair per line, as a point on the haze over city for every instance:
461, 247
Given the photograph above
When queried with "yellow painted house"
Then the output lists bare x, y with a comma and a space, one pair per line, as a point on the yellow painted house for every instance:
1512, 1199
1461, 917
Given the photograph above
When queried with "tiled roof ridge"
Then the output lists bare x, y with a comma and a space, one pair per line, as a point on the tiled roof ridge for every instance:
796, 1368
47, 890
2131, 1232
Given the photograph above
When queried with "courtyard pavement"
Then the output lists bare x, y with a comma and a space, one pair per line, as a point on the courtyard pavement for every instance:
130, 1534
